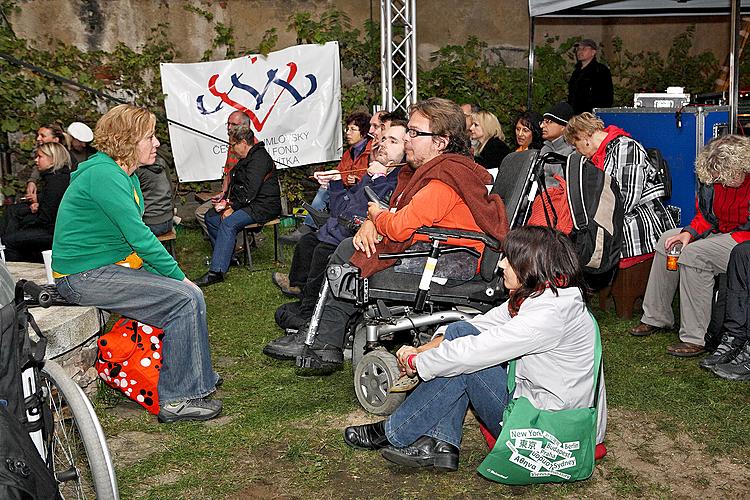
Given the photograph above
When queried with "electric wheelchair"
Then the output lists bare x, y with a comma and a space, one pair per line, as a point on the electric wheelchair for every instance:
400, 307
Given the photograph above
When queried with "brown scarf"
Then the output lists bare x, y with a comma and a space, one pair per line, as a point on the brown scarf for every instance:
464, 176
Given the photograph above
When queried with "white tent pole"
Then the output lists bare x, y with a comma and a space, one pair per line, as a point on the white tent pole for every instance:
530, 86
734, 66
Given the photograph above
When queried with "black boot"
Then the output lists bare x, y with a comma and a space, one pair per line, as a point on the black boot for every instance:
210, 278
366, 437
738, 368
288, 347
724, 353
425, 452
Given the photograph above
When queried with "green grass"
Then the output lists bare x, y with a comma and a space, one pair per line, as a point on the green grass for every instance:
280, 433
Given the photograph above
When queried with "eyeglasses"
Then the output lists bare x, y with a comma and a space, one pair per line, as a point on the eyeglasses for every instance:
418, 133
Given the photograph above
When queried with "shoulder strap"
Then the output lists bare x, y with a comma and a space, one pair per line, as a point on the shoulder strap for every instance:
574, 178
597, 365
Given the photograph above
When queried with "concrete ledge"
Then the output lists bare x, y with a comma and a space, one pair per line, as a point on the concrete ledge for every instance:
66, 327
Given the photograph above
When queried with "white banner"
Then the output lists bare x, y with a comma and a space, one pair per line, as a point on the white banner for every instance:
293, 99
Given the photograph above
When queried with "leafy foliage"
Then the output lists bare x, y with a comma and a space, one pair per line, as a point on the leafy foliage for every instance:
464, 73
652, 72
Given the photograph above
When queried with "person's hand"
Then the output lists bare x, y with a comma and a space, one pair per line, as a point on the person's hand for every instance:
373, 209
376, 168
217, 198
327, 176
403, 355
34, 208
227, 212
351, 179
31, 189
33, 198
366, 238
683, 238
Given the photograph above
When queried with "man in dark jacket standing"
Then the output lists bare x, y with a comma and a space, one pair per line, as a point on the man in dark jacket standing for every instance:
590, 86
253, 197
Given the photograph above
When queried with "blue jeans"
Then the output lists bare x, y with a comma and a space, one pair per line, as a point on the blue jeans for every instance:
176, 307
223, 233
161, 228
320, 202
437, 407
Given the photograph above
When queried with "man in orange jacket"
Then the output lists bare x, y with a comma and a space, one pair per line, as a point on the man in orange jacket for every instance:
441, 186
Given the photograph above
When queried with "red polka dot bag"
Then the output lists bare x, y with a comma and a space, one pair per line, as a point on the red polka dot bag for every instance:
129, 360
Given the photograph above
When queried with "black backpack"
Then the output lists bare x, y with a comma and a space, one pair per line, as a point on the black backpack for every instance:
662, 170
598, 215
23, 473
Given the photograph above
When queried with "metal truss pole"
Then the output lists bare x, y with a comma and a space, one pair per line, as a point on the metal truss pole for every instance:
398, 53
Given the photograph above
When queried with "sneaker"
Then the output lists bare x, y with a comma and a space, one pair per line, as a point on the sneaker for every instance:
724, 353
738, 368
281, 280
191, 409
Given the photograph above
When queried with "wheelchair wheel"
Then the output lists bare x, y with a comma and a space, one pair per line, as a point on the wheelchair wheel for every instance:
373, 375
78, 450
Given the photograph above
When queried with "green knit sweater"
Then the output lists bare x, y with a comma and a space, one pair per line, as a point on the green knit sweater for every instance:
99, 222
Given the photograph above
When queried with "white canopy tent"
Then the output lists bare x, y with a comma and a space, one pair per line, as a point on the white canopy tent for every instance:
620, 8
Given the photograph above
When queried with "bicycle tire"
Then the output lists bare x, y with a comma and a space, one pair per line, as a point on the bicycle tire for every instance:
80, 475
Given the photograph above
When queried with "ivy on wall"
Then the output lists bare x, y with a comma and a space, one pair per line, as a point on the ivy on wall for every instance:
464, 73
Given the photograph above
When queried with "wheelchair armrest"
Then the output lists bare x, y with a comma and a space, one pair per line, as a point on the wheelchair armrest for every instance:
426, 253
439, 233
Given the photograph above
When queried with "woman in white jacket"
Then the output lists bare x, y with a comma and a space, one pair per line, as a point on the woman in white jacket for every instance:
545, 325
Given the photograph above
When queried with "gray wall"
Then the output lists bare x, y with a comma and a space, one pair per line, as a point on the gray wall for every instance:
101, 24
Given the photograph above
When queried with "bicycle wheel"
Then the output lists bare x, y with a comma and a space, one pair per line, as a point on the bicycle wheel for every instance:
79, 453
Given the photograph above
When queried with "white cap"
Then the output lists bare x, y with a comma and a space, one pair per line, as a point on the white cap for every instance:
80, 131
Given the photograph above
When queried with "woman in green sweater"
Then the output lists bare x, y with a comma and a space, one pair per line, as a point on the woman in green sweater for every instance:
103, 255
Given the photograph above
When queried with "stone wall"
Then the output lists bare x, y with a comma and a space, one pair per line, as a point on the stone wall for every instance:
503, 24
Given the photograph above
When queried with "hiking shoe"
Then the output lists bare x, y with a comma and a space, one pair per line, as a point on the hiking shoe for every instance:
288, 347
724, 353
191, 409
281, 280
738, 368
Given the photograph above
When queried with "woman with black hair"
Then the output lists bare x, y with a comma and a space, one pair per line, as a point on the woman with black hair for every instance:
545, 325
528, 128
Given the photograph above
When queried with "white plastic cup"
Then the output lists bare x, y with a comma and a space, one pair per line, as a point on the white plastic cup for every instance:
47, 256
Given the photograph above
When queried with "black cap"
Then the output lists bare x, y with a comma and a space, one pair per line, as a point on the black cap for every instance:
560, 113
586, 42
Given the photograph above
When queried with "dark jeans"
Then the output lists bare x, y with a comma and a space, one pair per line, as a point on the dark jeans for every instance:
437, 407
23, 241
737, 316
336, 315
223, 233
161, 228
303, 253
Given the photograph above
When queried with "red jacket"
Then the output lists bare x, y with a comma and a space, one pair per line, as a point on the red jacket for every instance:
359, 164
730, 206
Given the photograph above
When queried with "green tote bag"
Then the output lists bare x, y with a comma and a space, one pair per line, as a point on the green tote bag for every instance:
543, 446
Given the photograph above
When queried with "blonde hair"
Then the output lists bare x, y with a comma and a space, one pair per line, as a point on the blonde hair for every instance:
120, 129
723, 160
582, 125
57, 153
490, 125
